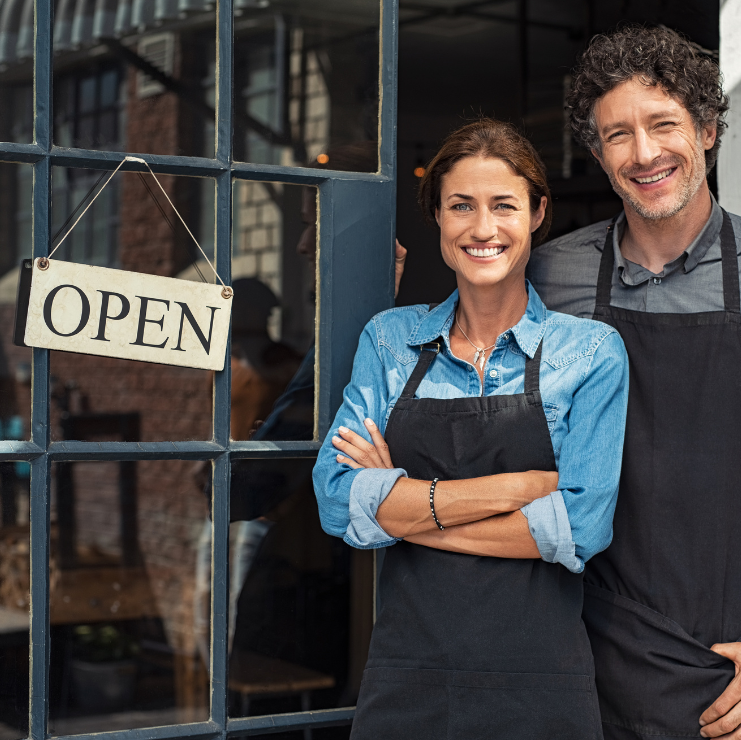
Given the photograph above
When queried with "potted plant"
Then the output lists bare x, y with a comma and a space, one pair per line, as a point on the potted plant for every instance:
104, 668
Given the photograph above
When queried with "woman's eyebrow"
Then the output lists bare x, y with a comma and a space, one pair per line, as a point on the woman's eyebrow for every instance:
460, 195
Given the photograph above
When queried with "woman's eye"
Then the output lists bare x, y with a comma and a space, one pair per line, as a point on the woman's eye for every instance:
462, 207
504, 207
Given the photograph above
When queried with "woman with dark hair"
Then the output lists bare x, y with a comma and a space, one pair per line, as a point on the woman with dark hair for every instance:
504, 422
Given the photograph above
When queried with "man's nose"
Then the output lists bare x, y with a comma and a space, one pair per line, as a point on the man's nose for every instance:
646, 149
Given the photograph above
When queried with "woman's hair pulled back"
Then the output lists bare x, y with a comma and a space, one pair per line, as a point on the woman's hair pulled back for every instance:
488, 137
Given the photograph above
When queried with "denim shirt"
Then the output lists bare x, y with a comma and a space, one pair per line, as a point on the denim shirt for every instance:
584, 387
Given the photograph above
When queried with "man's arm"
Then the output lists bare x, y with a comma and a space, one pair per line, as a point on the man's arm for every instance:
723, 717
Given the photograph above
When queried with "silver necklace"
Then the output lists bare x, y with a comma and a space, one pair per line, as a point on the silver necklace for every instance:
480, 354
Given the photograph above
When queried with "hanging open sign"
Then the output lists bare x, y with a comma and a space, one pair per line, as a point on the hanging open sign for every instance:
130, 315
100, 311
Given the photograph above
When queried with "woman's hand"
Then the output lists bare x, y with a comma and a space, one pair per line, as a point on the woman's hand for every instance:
359, 452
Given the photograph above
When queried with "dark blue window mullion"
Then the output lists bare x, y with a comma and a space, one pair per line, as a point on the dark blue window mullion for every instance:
41, 467
222, 382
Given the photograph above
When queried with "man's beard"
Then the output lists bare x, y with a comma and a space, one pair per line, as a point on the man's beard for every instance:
686, 190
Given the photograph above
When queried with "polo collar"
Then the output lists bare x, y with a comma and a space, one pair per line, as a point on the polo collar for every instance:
632, 274
528, 331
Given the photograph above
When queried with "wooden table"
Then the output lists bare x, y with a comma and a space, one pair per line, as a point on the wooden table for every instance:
252, 675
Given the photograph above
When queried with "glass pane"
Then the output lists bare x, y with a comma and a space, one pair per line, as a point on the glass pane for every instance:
128, 571
306, 81
135, 76
16, 72
15, 246
274, 280
101, 397
301, 608
14, 599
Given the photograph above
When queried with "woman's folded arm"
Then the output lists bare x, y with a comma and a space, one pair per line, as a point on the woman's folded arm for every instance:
502, 536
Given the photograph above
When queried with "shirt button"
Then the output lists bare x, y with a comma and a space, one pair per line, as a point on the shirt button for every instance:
505, 336
657, 281
492, 373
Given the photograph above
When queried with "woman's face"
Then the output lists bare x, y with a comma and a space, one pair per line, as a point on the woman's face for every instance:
485, 221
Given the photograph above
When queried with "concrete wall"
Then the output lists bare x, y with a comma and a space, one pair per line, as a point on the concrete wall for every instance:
729, 161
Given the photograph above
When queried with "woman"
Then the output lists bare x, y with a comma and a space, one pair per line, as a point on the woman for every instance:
482, 399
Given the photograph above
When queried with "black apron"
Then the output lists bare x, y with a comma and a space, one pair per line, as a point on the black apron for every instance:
469, 647
669, 585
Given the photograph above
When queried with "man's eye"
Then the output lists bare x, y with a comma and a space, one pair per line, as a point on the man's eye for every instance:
616, 135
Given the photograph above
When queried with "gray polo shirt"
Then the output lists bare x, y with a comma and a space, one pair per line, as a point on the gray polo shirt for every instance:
564, 272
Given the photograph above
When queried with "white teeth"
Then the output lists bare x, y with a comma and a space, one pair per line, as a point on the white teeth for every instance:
660, 176
488, 252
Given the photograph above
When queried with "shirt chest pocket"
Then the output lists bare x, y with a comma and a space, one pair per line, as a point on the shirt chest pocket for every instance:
551, 415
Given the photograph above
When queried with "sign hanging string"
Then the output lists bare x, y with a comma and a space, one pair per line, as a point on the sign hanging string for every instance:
146, 164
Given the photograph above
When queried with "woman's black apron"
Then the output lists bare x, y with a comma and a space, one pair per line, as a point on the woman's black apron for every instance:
468, 647
669, 585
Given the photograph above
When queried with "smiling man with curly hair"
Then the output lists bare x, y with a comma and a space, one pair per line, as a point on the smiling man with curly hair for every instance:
663, 603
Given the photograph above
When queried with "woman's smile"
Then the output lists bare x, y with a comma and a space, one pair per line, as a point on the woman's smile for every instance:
481, 252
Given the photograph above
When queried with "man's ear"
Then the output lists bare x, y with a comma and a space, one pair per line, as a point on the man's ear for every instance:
597, 156
709, 134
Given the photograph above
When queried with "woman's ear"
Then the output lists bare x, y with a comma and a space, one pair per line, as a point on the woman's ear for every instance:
539, 215
437, 216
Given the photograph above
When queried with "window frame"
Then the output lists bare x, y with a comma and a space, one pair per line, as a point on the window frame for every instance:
356, 237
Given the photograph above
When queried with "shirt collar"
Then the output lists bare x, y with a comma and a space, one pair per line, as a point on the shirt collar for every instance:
528, 331
633, 274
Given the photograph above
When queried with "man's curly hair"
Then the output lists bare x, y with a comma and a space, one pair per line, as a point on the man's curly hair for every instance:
656, 56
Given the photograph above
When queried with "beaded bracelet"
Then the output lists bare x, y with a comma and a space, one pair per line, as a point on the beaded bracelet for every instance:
432, 503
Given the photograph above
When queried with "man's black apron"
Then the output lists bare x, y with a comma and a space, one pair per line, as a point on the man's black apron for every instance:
669, 585
469, 647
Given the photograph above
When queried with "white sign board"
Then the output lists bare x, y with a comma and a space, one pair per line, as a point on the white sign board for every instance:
100, 311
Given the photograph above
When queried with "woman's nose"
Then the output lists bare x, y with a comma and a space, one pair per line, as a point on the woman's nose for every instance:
485, 227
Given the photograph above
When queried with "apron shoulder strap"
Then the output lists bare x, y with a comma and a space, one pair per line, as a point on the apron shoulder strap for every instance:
731, 297
606, 267
532, 371
428, 352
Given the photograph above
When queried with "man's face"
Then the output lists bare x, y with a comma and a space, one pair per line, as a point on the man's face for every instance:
651, 151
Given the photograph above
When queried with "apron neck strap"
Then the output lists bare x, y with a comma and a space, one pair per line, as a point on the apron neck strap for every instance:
731, 293
532, 371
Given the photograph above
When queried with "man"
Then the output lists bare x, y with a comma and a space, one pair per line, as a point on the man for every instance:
663, 602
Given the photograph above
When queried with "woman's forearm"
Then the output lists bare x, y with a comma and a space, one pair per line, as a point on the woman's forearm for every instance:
406, 510
502, 536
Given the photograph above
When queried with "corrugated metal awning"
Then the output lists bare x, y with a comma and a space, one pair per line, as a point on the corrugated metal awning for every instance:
81, 23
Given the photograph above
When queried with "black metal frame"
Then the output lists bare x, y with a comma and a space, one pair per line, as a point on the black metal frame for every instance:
356, 227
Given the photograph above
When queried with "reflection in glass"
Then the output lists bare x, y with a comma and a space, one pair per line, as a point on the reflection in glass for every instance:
131, 227
135, 76
300, 601
306, 79
123, 578
14, 599
274, 280
16, 71
15, 245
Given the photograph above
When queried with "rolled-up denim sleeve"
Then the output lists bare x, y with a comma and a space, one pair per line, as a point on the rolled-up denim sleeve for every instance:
348, 499
592, 450
367, 492
550, 527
